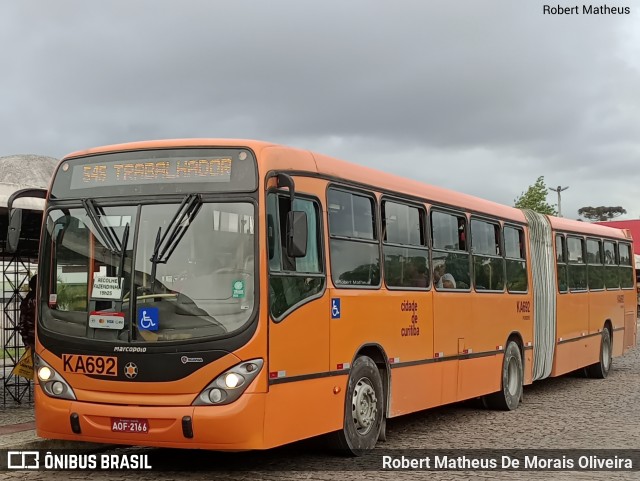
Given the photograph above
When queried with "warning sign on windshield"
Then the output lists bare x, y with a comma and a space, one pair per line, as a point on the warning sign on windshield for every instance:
106, 288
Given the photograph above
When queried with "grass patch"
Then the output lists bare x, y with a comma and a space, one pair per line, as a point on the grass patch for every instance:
16, 353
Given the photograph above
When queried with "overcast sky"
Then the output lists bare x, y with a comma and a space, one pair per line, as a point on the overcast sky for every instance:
477, 96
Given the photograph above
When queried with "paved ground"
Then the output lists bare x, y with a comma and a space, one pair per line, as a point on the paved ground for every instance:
569, 412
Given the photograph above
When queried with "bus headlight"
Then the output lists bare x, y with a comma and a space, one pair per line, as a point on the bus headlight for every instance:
233, 380
52, 383
44, 373
229, 385
216, 395
57, 388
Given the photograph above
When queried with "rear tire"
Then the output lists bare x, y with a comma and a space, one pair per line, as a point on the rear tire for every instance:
509, 396
363, 414
600, 370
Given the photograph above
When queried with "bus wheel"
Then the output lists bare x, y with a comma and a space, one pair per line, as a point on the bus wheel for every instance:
600, 369
363, 409
508, 398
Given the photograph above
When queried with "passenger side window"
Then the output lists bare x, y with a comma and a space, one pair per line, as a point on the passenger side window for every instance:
611, 278
450, 257
406, 257
516, 259
561, 258
626, 271
577, 266
355, 253
595, 267
292, 280
488, 263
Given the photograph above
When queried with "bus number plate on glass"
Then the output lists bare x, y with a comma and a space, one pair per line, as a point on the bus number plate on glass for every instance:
100, 365
136, 425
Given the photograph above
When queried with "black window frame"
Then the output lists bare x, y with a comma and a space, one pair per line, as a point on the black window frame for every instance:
500, 255
592, 264
615, 264
287, 273
523, 255
376, 233
425, 246
571, 263
459, 214
563, 263
630, 265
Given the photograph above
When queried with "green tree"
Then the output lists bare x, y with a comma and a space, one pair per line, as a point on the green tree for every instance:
601, 213
535, 198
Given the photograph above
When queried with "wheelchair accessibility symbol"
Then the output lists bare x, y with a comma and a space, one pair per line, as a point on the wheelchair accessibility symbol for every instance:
335, 308
148, 318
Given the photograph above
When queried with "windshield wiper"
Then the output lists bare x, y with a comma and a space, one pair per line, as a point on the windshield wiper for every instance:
178, 225
109, 239
123, 250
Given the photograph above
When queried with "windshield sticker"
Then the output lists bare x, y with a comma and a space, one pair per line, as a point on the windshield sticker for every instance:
148, 318
106, 288
238, 288
106, 320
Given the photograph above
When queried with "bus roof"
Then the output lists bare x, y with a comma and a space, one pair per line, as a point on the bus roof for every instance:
588, 228
171, 143
279, 157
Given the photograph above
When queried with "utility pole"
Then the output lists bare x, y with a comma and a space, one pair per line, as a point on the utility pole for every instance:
558, 190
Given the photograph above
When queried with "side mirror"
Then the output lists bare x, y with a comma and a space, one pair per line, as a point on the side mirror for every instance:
13, 231
297, 233
15, 215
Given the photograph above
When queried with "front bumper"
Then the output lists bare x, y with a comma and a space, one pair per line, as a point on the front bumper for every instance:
236, 426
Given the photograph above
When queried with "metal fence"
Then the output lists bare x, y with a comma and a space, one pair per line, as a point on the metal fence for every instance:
16, 273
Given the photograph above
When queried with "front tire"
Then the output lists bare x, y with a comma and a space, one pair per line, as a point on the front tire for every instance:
508, 398
600, 370
363, 414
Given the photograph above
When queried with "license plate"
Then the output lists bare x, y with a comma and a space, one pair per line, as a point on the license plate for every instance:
100, 365
137, 425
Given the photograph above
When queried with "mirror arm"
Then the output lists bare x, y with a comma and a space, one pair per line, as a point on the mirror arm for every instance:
285, 180
30, 192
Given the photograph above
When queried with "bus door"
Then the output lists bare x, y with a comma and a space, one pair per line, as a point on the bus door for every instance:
298, 324
572, 303
452, 313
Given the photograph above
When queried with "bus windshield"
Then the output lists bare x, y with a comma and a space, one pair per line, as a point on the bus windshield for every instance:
113, 276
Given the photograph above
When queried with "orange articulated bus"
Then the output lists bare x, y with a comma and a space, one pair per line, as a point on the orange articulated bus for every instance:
233, 294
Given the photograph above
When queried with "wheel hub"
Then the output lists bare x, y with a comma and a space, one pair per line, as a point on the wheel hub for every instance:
364, 406
512, 374
606, 355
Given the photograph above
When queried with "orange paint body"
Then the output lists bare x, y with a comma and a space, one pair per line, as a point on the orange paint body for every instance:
445, 347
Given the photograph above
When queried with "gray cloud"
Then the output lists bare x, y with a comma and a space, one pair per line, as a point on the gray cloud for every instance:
494, 89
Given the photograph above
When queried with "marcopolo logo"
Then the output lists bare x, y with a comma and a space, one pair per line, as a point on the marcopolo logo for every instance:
131, 370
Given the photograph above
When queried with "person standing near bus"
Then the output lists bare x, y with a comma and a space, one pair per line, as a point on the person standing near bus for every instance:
27, 322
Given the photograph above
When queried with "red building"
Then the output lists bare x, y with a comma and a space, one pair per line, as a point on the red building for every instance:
633, 225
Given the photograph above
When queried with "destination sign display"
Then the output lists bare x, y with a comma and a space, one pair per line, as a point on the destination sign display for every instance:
213, 169
156, 171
